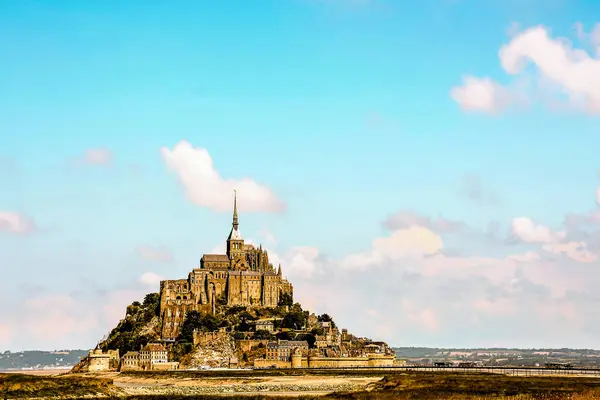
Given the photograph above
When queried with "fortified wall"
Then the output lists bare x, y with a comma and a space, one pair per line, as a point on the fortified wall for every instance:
328, 362
207, 338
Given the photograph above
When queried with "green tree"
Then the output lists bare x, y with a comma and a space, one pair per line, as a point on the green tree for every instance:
210, 323
263, 334
310, 339
151, 299
195, 320
222, 300
283, 336
295, 319
317, 331
285, 299
192, 321
244, 326
326, 318
152, 304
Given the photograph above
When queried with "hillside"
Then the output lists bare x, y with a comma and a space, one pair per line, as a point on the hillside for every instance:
142, 324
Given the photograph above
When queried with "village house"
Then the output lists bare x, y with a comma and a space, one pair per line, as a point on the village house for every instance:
265, 325
153, 356
282, 349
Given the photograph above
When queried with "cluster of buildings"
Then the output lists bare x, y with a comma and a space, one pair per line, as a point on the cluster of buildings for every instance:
151, 357
243, 276
332, 349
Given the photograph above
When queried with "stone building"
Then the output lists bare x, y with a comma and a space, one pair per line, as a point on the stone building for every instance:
130, 361
152, 353
243, 276
153, 356
264, 325
282, 350
100, 361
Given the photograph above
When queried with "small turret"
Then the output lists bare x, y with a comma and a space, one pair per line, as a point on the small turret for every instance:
279, 270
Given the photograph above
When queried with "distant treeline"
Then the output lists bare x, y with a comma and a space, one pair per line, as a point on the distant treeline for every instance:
429, 351
38, 359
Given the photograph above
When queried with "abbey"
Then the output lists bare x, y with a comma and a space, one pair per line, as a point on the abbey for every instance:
243, 276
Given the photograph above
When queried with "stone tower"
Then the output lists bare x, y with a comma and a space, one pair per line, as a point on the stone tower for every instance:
235, 242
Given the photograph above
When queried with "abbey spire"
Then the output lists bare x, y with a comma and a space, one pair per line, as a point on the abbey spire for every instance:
235, 225
235, 214
235, 242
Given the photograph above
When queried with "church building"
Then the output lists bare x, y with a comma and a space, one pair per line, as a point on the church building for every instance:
243, 276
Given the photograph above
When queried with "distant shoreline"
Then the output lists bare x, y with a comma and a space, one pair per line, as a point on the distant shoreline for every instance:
39, 371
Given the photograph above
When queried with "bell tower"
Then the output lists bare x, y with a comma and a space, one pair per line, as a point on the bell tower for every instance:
235, 242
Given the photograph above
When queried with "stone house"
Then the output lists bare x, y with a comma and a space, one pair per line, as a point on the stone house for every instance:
282, 350
130, 361
265, 325
151, 354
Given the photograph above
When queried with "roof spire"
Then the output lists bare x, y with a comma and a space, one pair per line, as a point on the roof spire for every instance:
235, 214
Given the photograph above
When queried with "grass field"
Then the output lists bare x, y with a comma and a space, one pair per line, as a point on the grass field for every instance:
410, 385
28, 386
460, 386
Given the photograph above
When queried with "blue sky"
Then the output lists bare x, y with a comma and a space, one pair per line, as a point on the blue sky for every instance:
348, 112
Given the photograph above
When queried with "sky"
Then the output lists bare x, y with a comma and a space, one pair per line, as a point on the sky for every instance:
425, 172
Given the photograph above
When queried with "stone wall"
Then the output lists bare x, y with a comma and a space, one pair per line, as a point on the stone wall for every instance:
207, 338
247, 345
263, 363
167, 366
348, 362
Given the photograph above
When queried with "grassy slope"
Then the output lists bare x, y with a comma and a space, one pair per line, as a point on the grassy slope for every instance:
28, 386
140, 326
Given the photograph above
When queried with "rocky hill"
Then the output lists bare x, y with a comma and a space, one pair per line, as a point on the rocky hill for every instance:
142, 325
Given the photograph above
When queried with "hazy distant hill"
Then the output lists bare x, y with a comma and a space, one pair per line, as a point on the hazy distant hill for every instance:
500, 356
40, 359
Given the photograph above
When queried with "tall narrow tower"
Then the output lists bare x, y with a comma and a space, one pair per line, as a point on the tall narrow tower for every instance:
235, 243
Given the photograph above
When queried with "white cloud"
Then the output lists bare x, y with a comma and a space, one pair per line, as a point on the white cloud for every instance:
98, 156
65, 320
578, 251
151, 279
425, 318
16, 223
154, 253
527, 257
530, 232
565, 71
407, 219
481, 95
205, 187
413, 242
554, 242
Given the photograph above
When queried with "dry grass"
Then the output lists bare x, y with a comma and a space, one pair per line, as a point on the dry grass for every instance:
405, 386
26, 386
461, 386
